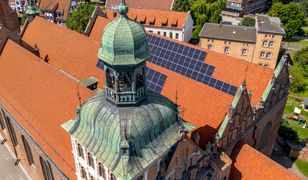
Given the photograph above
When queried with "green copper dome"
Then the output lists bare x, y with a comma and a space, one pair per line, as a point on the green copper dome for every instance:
127, 139
31, 9
124, 41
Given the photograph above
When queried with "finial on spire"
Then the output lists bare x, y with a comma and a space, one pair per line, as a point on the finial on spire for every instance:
122, 8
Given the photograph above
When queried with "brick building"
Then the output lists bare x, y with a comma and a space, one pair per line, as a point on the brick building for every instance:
165, 5
56, 11
236, 9
175, 25
203, 136
259, 44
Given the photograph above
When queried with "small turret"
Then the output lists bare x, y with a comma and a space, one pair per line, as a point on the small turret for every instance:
124, 53
31, 10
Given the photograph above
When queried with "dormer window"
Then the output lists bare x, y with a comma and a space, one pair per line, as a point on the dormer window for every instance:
151, 20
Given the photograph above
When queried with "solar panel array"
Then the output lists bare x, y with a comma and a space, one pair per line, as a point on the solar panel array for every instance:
154, 80
186, 61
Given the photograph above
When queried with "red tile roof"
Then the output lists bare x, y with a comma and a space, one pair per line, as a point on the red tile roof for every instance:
59, 6
41, 98
141, 4
154, 18
68, 50
96, 32
77, 55
250, 164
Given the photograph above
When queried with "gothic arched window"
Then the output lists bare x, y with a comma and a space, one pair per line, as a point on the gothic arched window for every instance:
28, 150
46, 169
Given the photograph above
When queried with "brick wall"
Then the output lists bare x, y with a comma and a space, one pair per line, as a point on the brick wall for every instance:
273, 50
235, 47
34, 170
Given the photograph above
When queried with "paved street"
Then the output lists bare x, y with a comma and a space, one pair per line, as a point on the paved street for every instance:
8, 171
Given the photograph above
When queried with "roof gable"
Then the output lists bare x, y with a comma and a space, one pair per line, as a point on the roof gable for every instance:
154, 18
251, 164
141, 4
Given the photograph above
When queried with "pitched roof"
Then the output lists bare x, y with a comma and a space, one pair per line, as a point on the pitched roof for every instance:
156, 18
267, 24
96, 32
252, 164
40, 97
77, 55
229, 32
59, 6
141, 4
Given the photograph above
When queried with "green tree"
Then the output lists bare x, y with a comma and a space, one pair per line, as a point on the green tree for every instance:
205, 11
181, 5
79, 18
300, 57
248, 21
304, 5
297, 78
291, 15
283, 1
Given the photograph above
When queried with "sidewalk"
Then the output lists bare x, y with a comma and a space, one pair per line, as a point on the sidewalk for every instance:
8, 171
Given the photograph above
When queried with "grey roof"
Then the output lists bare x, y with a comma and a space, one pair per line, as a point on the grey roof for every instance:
147, 131
229, 32
268, 24
305, 101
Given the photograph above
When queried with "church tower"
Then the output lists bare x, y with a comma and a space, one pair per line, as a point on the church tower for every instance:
125, 131
124, 53
31, 10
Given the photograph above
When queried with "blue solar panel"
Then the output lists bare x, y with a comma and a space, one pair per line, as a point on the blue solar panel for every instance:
186, 61
155, 80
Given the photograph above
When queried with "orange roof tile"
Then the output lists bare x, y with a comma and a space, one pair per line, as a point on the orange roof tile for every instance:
141, 4
156, 18
41, 99
250, 164
68, 50
60, 6
76, 54
96, 32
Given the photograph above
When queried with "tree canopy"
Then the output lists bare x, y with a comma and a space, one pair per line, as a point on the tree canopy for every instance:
299, 71
301, 58
248, 21
79, 18
205, 11
291, 15
181, 5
